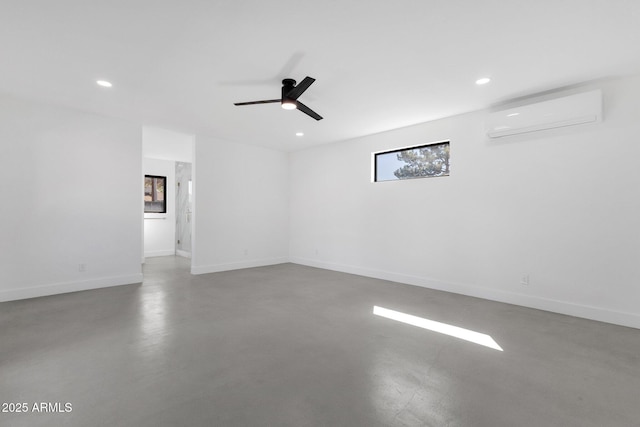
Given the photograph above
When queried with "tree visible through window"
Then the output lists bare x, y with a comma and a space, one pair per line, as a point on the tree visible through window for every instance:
155, 194
414, 162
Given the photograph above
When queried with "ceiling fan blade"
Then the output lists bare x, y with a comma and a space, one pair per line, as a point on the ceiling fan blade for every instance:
267, 101
308, 111
300, 88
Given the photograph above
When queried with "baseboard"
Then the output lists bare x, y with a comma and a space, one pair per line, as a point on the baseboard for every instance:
183, 254
62, 288
555, 306
159, 253
215, 268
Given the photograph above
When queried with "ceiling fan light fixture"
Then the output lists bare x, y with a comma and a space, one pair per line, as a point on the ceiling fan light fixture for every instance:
288, 104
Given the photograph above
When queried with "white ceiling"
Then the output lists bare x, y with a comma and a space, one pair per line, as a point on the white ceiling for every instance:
379, 64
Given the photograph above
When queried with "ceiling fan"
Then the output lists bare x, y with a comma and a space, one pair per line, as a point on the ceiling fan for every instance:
290, 95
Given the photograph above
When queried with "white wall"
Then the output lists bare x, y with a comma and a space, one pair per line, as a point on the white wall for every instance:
160, 228
158, 143
562, 206
240, 206
70, 191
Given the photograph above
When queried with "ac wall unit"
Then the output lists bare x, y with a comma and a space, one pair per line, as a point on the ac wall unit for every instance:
570, 110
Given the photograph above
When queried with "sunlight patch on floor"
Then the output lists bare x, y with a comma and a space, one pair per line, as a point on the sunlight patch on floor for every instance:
443, 328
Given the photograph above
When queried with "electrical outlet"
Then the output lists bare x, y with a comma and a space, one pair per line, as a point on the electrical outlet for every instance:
82, 268
524, 280
246, 252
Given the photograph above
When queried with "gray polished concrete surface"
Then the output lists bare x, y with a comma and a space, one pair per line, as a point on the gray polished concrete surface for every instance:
289, 345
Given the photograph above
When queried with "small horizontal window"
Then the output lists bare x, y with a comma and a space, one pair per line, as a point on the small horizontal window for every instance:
423, 161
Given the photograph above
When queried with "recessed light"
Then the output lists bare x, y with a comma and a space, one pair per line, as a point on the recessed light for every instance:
299, 134
483, 81
103, 83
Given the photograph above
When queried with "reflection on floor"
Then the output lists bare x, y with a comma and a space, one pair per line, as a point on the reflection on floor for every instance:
289, 345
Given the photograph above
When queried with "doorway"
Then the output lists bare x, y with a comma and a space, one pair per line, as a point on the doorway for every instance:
169, 155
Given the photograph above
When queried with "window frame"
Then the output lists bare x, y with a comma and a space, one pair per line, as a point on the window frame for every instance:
164, 201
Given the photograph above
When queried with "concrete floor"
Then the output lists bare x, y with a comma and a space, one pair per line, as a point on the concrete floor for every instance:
289, 345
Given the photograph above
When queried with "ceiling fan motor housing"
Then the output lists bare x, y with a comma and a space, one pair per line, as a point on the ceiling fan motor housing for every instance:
287, 86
